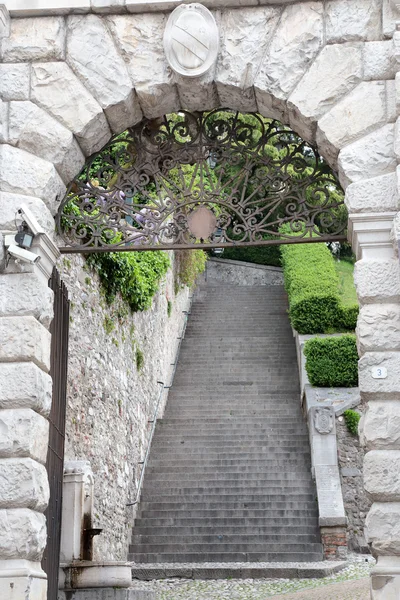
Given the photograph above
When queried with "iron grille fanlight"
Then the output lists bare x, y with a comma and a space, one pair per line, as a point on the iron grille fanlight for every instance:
179, 181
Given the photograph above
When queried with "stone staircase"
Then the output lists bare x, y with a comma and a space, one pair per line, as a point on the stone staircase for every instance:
228, 479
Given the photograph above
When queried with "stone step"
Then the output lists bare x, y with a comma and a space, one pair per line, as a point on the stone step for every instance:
226, 557
196, 515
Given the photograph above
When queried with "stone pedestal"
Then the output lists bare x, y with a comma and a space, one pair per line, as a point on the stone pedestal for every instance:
385, 579
22, 579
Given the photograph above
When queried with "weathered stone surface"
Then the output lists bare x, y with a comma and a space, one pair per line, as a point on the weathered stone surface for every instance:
107, 6
335, 72
57, 89
14, 81
92, 55
35, 131
377, 281
202, 96
34, 39
24, 294
24, 433
23, 484
378, 59
239, 55
371, 156
381, 425
361, 111
378, 327
24, 385
382, 475
10, 203
376, 388
4, 107
383, 527
24, 173
22, 534
235, 272
139, 39
379, 194
390, 15
356, 20
295, 44
24, 339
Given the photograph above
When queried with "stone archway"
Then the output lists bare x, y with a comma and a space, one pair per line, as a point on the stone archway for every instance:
66, 83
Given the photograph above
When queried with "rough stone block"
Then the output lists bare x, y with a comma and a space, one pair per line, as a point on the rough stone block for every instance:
139, 39
23, 484
107, 6
24, 433
381, 425
371, 156
377, 281
34, 130
23, 294
294, 46
378, 60
239, 57
361, 111
378, 328
375, 388
382, 475
57, 89
14, 81
10, 203
356, 20
333, 74
24, 173
24, 339
390, 16
92, 55
42, 38
4, 108
22, 534
24, 385
379, 194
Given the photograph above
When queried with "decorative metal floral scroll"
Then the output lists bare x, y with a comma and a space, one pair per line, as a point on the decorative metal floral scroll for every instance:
220, 178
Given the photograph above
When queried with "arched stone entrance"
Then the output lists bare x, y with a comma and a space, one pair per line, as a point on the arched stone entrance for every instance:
67, 82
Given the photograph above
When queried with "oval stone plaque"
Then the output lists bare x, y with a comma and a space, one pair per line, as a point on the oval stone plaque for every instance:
202, 223
191, 40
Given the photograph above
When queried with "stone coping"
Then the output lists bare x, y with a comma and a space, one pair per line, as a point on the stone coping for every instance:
340, 398
312, 570
239, 263
24, 8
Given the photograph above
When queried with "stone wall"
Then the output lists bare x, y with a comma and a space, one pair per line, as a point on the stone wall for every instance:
110, 401
356, 502
242, 273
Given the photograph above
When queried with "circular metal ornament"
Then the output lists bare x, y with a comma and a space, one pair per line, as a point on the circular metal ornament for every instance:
191, 40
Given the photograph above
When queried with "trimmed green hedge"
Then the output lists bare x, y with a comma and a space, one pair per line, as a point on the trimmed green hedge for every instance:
332, 361
312, 284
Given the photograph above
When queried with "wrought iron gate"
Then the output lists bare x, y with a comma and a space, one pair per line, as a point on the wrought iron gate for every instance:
202, 180
55, 456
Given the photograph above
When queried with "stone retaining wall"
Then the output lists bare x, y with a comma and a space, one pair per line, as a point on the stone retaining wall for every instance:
109, 401
242, 273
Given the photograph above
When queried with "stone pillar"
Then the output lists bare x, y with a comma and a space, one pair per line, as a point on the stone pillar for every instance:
26, 311
377, 278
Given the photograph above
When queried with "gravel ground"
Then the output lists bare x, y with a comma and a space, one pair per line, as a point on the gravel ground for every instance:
350, 584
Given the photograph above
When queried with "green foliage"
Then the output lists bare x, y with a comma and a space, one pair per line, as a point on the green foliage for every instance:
352, 419
190, 264
108, 324
139, 359
332, 361
169, 307
312, 284
260, 255
135, 275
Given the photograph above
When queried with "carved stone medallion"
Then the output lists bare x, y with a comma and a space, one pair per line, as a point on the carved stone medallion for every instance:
323, 420
191, 40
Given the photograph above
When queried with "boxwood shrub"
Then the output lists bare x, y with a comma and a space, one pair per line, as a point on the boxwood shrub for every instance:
312, 284
332, 361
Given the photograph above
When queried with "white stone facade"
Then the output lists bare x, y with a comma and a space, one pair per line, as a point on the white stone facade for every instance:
74, 71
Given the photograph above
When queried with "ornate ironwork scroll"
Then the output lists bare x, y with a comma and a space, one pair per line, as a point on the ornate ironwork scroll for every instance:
219, 178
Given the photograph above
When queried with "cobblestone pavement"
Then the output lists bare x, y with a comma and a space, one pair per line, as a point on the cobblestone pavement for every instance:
350, 584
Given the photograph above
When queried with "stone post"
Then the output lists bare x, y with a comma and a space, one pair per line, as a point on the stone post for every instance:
26, 311
377, 278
